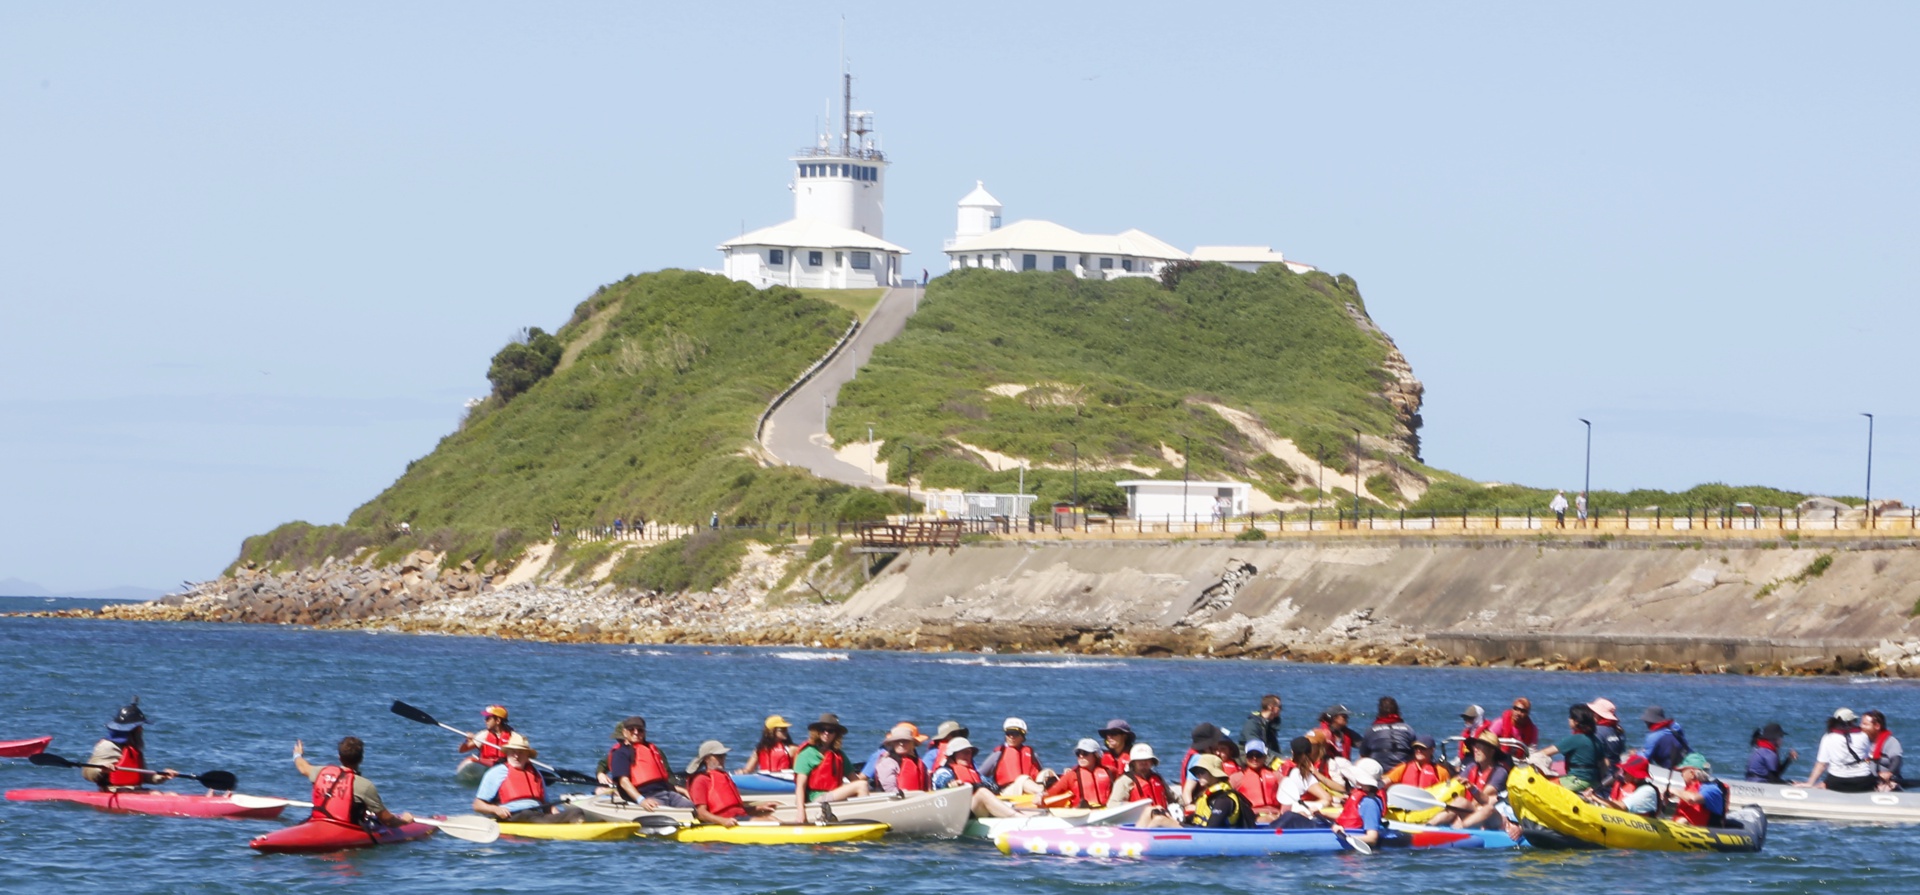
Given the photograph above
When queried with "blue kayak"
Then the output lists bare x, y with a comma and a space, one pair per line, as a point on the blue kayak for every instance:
1196, 842
764, 783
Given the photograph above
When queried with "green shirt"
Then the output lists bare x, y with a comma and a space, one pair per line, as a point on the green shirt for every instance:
1582, 753
809, 758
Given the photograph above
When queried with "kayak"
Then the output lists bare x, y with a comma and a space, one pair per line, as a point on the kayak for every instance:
1540, 802
763, 833
24, 748
319, 836
1149, 842
469, 771
1058, 819
764, 783
1444, 792
162, 803
587, 832
941, 815
1812, 803
1422, 836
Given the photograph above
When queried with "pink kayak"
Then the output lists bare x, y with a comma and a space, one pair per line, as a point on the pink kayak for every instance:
319, 836
23, 748
164, 803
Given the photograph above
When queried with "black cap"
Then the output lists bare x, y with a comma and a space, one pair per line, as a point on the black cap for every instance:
1204, 733
1300, 745
1772, 731
129, 716
1653, 715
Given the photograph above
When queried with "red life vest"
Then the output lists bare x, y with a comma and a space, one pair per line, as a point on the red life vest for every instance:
130, 760
1477, 778
615, 751
1230, 767
1185, 760
1467, 734
774, 759
521, 783
1350, 816
965, 773
489, 741
722, 796
1416, 774
829, 773
1691, 813
1150, 787
1342, 741
913, 776
1091, 787
333, 796
1115, 762
1017, 762
1880, 744
649, 766
1261, 786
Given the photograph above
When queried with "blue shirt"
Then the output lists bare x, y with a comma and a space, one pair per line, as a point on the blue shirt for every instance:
1763, 764
1665, 747
873, 763
490, 789
1369, 815
1713, 800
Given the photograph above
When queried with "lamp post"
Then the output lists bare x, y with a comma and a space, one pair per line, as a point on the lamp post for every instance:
1869, 417
1356, 478
1186, 474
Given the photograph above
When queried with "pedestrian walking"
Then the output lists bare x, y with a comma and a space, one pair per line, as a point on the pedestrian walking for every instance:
1559, 508
1580, 509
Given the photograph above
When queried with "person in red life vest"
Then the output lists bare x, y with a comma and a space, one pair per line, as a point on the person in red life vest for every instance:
486, 745
820, 770
775, 750
1486, 780
123, 753
899, 769
1259, 783
1199, 743
1472, 722
1630, 790
1765, 764
513, 790
1517, 724
1703, 803
1142, 782
958, 772
341, 795
1886, 753
1119, 739
1365, 815
1302, 797
1217, 805
1013, 768
642, 772
1420, 770
1088, 784
1334, 722
622, 751
937, 752
716, 800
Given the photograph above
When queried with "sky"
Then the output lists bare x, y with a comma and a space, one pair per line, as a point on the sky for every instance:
253, 257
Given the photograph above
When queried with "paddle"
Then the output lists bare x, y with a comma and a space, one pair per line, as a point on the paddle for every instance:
561, 775
1359, 846
473, 828
222, 781
1405, 797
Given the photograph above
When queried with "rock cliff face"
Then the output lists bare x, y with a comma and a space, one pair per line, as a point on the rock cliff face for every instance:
1401, 390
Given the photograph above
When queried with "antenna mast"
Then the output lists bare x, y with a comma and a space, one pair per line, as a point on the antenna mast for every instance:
846, 95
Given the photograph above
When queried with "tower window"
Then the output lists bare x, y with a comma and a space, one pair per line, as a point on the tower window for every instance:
776, 257
814, 259
862, 260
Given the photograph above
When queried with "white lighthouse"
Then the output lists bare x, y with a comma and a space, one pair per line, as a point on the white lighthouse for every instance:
835, 239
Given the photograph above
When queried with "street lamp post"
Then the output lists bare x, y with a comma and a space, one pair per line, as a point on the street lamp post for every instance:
1869, 417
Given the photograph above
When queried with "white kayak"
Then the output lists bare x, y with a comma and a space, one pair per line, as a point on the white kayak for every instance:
939, 815
1781, 801
1059, 819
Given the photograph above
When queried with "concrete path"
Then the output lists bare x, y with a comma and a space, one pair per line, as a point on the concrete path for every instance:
796, 434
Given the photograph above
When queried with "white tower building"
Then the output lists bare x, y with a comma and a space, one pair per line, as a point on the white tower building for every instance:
979, 212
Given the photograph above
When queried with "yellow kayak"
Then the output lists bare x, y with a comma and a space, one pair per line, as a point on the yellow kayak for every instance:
766, 833
587, 832
1445, 792
1540, 802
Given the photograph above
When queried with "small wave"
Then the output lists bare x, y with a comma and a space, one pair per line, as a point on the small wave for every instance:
811, 657
1031, 663
644, 652
1872, 680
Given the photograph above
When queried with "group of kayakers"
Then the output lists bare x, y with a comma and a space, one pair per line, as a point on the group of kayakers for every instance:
1331, 775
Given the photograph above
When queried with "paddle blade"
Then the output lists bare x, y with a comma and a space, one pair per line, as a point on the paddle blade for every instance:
656, 825
1358, 845
246, 801
472, 828
223, 781
412, 714
1411, 798
574, 777
50, 760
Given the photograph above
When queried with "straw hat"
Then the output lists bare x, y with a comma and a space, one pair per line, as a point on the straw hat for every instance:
1210, 764
518, 743
710, 747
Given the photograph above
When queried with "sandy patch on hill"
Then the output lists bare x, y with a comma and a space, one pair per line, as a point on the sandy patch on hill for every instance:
860, 454
1307, 470
997, 462
531, 565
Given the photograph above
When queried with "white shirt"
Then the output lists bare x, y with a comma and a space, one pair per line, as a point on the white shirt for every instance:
1559, 504
1843, 763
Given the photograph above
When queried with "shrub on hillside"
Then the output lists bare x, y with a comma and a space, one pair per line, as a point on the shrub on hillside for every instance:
523, 362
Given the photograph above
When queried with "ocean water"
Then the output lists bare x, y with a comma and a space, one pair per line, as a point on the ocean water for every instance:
236, 697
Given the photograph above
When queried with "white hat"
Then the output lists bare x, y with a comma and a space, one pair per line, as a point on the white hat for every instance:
1845, 714
1087, 744
1014, 724
1365, 772
1141, 752
959, 744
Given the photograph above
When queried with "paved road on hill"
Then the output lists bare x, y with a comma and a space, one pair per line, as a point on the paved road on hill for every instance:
796, 434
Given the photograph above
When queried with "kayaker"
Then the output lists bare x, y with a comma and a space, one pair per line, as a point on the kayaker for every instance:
1842, 756
871, 769
1606, 729
716, 800
1141, 781
642, 771
1200, 743
1420, 769
775, 750
1301, 796
1365, 813
486, 745
1703, 803
1472, 722
937, 747
1334, 722
1088, 783
1764, 764
1327, 767
1630, 791
1666, 744
1013, 768
603, 770
341, 795
1263, 725
1218, 806
514, 791
124, 752
1259, 783
958, 772
1580, 749
1486, 780
1389, 740
899, 769
1516, 727
820, 771
1119, 739
1884, 752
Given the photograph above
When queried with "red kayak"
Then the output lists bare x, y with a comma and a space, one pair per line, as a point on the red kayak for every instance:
164, 803
331, 836
23, 748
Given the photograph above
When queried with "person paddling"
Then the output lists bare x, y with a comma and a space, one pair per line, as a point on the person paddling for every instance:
124, 752
716, 800
1088, 784
1365, 814
1842, 756
1217, 805
1764, 763
820, 770
775, 750
1118, 739
1666, 744
1013, 768
1259, 783
487, 745
514, 791
1884, 751
899, 769
642, 773
1703, 803
341, 795
958, 772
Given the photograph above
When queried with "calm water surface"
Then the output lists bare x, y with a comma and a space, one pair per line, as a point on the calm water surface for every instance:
235, 697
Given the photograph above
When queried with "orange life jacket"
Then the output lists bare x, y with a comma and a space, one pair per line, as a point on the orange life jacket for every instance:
123, 773
489, 753
722, 796
1015, 762
1150, 787
774, 759
829, 773
1423, 776
1261, 786
1091, 787
521, 783
649, 766
333, 797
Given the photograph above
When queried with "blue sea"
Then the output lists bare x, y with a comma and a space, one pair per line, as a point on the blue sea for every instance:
235, 697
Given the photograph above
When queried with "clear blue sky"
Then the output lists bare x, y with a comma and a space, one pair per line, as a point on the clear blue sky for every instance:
254, 256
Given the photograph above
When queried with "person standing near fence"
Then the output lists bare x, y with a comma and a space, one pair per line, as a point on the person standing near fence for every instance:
1580, 509
1559, 507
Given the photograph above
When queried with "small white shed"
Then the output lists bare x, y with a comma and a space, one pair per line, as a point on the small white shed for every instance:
1157, 500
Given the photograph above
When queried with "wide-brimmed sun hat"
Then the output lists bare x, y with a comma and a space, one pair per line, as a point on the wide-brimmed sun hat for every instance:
829, 722
1117, 725
1211, 764
958, 745
1604, 709
518, 743
1365, 772
901, 733
710, 747
1653, 715
949, 729
1697, 761
1141, 752
1487, 737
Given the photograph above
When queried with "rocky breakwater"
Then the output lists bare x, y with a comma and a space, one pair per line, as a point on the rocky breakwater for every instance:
334, 592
